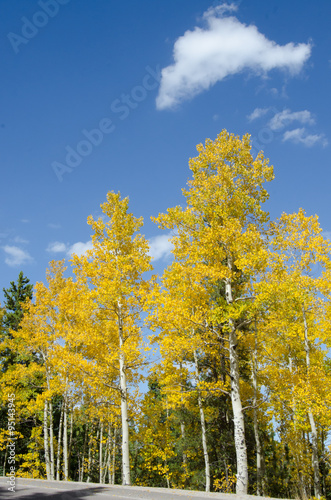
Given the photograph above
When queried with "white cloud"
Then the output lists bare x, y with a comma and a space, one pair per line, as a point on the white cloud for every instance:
54, 226
160, 247
300, 136
56, 247
224, 47
16, 256
18, 239
219, 10
286, 117
80, 248
257, 113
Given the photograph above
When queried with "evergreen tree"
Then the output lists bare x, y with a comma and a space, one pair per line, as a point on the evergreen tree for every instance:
15, 296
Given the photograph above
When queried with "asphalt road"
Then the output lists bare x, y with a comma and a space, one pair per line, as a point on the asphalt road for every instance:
35, 489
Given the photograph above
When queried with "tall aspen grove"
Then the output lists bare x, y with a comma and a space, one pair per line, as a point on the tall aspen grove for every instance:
214, 375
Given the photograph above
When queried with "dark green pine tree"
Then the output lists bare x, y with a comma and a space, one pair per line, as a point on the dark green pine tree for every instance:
15, 296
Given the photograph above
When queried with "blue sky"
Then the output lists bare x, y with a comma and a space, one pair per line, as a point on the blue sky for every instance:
106, 95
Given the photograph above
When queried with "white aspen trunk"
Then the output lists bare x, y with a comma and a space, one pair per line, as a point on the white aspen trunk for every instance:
167, 434
182, 423
49, 418
94, 448
255, 422
51, 440
81, 473
114, 459
314, 436
59, 437
203, 426
89, 460
301, 488
238, 416
46, 443
100, 453
65, 438
107, 459
126, 480
70, 436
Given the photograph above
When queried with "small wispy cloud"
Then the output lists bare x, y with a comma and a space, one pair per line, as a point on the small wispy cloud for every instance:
285, 117
15, 256
160, 246
79, 248
257, 113
54, 226
18, 239
301, 136
56, 247
224, 47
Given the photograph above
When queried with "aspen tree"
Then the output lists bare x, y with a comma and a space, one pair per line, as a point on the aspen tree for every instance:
43, 331
296, 328
220, 238
113, 270
180, 315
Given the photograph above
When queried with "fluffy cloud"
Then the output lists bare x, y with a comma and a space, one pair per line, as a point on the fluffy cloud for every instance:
300, 136
56, 247
286, 117
257, 113
160, 247
79, 248
16, 256
224, 47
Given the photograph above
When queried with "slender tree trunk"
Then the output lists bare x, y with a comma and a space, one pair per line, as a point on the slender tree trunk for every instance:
65, 438
182, 423
126, 480
51, 439
46, 442
49, 432
114, 459
70, 436
167, 437
59, 437
238, 416
297, 452
81, 473
100, 453
314, 436
89, 460
5, 462
203, 426
107, 459
255, 420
